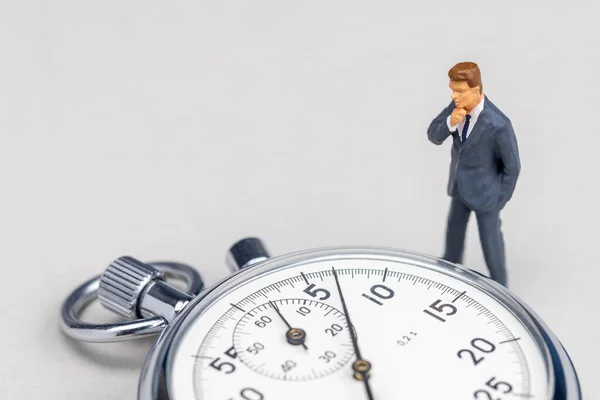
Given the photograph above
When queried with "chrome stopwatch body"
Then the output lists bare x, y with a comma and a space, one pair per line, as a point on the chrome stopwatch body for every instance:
355, 323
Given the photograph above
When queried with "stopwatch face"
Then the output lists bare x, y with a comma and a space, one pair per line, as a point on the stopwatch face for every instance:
424, 329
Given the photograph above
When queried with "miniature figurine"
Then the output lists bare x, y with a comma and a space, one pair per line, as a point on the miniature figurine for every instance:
484, 166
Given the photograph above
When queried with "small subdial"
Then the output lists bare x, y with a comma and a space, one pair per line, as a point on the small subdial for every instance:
293, 339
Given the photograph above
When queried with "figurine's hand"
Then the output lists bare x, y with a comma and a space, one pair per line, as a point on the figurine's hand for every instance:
458, 114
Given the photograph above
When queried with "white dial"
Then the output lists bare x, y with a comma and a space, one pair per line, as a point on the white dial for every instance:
424, 333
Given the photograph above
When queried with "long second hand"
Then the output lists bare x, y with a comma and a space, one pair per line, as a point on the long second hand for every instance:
359, 359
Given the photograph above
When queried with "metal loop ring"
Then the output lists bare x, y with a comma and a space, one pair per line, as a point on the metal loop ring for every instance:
72, 326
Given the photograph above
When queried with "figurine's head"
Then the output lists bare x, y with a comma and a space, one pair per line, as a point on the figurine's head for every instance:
466, 86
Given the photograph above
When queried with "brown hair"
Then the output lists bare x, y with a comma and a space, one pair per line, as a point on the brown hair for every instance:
466, 72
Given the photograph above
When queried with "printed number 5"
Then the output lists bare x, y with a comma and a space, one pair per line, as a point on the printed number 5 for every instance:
315, 292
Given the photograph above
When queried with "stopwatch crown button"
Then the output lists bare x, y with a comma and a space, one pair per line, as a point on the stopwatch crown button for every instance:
245, 253
122, 284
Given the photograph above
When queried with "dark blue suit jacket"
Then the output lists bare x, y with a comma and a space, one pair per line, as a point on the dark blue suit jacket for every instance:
485, 168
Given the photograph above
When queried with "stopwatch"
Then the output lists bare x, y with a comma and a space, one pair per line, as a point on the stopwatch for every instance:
356, 323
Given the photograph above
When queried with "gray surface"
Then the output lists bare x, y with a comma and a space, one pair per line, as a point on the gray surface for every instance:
171, 130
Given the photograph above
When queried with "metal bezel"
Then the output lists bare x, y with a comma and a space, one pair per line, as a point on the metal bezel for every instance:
154, 380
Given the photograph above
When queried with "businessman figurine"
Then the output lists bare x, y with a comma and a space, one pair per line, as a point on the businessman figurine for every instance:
484, 166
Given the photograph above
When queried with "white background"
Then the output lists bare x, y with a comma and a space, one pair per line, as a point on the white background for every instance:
169, 130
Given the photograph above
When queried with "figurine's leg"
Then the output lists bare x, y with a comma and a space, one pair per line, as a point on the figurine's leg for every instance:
456, 230
492, 243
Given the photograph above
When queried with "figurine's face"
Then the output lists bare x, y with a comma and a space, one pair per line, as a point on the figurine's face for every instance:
463, 95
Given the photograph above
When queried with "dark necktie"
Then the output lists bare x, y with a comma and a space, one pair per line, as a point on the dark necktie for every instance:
465, 128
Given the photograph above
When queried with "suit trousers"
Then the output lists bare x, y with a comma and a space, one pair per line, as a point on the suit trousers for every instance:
490, 235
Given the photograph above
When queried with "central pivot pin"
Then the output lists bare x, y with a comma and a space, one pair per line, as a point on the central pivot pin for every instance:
361, 369
296, 336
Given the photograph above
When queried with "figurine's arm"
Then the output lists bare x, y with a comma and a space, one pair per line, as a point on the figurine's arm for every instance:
440, 128
509, 154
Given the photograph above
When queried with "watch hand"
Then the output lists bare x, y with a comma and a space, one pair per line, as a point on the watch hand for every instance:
360, 367
294, 336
